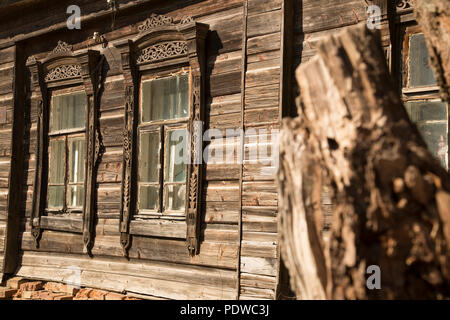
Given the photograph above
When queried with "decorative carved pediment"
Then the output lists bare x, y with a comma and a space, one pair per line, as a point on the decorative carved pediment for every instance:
162, 51
64, 72
31, 59
155, 21
62, 47
159, 21
187, 19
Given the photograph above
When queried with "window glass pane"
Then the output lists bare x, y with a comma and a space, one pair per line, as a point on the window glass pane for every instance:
176, 155
175, 196
56, 167
76, 159
431, 120
435, 136
165, 98
55, 196
148, 197
148, 157
76, 196
426, 110
420, 72
68, 111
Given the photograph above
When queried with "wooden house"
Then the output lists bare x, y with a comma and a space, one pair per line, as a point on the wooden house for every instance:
92, 94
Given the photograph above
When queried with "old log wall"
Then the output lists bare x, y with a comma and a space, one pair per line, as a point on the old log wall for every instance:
253, 47
7, 58
262, 85
159, 266
239, 250
316, 19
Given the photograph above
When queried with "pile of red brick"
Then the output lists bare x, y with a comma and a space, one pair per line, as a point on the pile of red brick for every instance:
24, 289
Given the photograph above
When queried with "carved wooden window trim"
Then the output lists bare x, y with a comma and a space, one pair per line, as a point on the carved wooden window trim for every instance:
163, 44
404, 6
63, 68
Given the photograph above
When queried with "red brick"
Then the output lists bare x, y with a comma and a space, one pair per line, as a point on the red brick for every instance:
27, 294
42, 295
64, 297
83, 293
6, 293
114, 296
61, 287
98, 294
15, 282
32, 286
18, 294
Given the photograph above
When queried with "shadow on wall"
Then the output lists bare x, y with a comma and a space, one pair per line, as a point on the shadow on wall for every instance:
299, 38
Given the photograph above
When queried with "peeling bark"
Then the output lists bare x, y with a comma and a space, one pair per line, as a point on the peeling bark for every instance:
392, 200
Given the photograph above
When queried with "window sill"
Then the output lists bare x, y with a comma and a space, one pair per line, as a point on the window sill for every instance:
155, 215
415, 90
60, 213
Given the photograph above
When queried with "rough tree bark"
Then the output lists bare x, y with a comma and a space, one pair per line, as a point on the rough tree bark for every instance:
434, 19
392, 200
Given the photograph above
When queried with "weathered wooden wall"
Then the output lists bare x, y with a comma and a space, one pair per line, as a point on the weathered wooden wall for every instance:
259, 265
159, 266
7, 59
248, 79
12, 93
240, 199
317, 18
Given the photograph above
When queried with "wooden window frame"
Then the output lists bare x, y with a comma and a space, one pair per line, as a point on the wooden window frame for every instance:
70, 71
165, 212
65, 135
159, 46
142, 130
68, 171
420, 93
408, 31
161, 126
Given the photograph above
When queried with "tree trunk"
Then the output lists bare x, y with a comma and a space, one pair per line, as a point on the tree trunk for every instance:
434, 19
391, 196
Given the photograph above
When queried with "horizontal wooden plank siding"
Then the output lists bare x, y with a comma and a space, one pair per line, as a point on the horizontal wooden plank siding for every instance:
248, 79
261, 118
167, 280
160, 264
2, 237
7, 70
245, 86
7, 57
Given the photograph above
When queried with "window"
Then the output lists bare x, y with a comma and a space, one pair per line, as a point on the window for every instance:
67, 152
163, 145
431, 119
64, 90
421, 94
164, 71
420, 72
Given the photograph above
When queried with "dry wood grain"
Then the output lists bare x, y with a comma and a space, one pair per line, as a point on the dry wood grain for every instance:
388, 188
